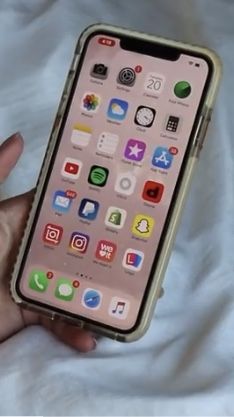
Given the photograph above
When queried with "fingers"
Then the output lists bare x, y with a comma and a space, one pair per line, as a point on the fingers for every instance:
72, 336
10, 151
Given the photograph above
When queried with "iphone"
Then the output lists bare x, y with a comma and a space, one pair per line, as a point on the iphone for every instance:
127, 136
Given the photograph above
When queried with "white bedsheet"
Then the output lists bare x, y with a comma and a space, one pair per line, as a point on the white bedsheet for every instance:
185, 363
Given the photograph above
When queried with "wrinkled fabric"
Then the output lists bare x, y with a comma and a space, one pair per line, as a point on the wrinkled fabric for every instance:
185, 363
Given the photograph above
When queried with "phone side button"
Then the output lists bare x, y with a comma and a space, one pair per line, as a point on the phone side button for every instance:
201, 135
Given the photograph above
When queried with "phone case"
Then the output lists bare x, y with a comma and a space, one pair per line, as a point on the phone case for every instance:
197, 142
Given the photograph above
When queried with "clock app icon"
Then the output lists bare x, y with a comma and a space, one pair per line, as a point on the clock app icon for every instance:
145, 116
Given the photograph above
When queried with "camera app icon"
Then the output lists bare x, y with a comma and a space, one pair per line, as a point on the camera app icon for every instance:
99, 71
79, 242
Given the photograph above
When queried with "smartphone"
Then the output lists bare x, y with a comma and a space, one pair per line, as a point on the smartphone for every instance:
123, 147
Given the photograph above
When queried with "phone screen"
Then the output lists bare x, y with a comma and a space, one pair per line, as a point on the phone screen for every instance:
114, 173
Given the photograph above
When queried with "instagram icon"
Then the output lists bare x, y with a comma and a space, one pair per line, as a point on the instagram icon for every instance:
79, 242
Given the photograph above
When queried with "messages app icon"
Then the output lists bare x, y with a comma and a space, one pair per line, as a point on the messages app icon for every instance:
117, 109
64, 289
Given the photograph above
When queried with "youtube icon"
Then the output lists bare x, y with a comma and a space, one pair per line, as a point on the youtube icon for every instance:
71, 168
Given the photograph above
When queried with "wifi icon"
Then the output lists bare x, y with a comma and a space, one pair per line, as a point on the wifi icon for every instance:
98, 175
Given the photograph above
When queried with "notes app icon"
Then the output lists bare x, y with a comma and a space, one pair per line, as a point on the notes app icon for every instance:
119, 308
81, 135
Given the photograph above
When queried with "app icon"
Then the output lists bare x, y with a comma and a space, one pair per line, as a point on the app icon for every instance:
115, 217
153, 191
182, 89
107, 143
88, 209
81, 135
119, 308
90, 102
79, 242
135, 150
117, 109
162, 158
92, 299
98, 175
52, 234
142, 225
99, 71
133, 259
154, 83
125, 183
61, 201
172, 123
105, 250
64, 289
127, 76
144, 116
71, 168
38, 281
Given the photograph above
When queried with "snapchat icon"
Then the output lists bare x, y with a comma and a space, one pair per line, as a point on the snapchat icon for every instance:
142, 225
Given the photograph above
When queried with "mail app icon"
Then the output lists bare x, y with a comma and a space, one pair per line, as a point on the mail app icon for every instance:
61, 202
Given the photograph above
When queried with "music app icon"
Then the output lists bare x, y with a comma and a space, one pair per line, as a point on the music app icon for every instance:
119, 308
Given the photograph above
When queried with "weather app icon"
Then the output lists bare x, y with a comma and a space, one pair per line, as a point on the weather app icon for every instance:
117, 109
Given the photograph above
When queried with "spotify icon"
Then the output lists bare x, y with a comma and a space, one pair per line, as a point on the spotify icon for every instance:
98, 175
182, 89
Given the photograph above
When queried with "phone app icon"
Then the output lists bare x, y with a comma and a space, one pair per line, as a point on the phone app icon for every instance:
98, 176
154, 83
115, 217
52, 234
162, 158
133, 259
119, 308
182, 89
92, 299
99, 71
135, 150
79, 242
64, 289
117, 109
172, 123
153, 191
125, 183
107, 143
105, 250
38, 281
88, 209
90, 102
144, 116
71, 168
142, 225
61, 201
127, 76
81, 135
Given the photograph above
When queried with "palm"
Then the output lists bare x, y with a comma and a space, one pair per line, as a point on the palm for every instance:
13, 215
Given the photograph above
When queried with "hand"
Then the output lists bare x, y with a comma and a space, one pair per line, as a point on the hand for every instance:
13, 215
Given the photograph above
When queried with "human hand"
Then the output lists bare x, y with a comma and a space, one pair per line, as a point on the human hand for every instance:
13, 215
